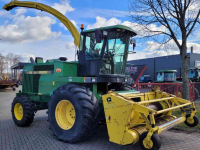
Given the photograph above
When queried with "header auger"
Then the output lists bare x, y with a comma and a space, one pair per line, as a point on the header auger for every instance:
80, 94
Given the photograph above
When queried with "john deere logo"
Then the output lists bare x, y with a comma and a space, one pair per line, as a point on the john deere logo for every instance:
58, 70
109, 99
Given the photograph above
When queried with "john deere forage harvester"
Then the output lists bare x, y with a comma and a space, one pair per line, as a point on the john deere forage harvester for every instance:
79, 94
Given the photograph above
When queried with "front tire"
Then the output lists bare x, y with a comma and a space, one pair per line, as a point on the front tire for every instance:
23, 111
16, 85
191, 122
73, 113
154, 144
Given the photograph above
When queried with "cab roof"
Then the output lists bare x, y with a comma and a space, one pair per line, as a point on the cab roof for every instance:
167, 71
112, 27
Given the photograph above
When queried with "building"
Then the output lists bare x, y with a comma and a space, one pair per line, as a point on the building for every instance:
172, 62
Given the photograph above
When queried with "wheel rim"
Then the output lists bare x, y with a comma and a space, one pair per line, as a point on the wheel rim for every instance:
65, 114
178, 94
148, 144
157, 88
18, 111
190, 121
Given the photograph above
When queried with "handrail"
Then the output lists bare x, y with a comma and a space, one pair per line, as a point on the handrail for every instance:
69, 25
172, 108
156, 100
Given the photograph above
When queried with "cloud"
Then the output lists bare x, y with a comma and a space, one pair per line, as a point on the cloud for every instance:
102, 22
171, 47
196, 47
28, 29
63, 7
48, 49
70, 45
8, 15
154, 49
20, 11
140, 30
145, 54
63, 26
5, 14
26, 57
154, 46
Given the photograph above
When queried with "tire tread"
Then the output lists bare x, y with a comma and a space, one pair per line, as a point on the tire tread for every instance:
90, 109
28, 111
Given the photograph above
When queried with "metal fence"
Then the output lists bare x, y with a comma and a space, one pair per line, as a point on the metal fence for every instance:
172, 88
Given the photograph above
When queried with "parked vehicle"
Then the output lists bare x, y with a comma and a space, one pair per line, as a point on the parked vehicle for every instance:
7, 82
166, 76
145, 79
194, 74
78, 94
169, 76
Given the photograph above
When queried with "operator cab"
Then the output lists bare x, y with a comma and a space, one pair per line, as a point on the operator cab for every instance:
194, 74
104, 51
166, 76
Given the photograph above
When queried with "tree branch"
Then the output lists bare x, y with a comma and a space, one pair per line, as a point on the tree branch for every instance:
195, 21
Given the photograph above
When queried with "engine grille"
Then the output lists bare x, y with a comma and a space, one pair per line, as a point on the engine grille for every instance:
31, 83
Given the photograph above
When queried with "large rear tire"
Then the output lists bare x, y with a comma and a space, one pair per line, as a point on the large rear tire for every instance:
73, 113
23, 111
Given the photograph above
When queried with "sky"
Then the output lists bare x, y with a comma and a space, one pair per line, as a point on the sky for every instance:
32, 33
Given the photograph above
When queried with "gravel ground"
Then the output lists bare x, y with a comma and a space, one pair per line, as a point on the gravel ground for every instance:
38, 135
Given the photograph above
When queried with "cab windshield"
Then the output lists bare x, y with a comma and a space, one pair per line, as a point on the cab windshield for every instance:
92, 48
161, 76
192, 73
115, 54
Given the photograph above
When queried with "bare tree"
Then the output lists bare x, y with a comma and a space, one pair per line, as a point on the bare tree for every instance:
2, 64
176, 20
12, 59
16, 59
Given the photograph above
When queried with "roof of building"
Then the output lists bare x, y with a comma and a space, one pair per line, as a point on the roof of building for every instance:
162, 57
19, 65
167, 71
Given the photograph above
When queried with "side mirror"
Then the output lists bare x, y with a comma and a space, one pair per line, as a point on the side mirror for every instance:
98, 35
133, 42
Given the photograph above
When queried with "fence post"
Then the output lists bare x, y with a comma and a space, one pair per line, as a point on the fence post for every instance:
190, 90
193, 91
177, 89
137, 85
